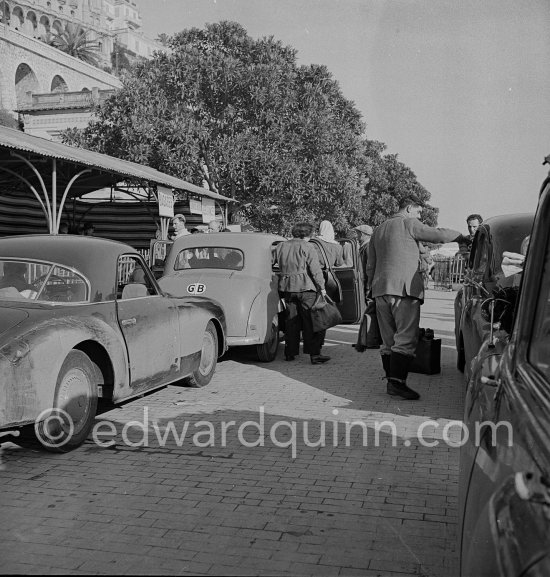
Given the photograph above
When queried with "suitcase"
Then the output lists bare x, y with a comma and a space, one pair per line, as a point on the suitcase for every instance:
428, 357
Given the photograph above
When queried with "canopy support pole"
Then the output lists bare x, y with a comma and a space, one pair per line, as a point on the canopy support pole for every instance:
64, 197
53, 224
44, 189
164, 226
33, 190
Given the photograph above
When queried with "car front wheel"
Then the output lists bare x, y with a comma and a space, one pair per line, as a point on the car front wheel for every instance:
67, 425
267, 351
203, 374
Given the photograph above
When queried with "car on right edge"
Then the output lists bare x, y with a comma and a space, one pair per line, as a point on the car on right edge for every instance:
504, 488
483, 277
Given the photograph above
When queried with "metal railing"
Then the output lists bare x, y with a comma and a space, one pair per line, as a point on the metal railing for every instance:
52, 100
447, 271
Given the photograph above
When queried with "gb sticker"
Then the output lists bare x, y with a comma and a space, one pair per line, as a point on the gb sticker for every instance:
196, 288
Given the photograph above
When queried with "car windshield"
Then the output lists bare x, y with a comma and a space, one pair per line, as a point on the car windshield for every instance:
23, 279
209, 257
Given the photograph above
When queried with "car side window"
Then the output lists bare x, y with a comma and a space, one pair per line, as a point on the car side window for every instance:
133, 278
539, 348
42, 282
63, 285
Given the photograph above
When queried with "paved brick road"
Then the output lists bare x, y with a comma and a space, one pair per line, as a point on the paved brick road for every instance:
199, 505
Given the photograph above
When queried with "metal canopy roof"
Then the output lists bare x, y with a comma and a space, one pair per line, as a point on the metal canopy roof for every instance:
20, 152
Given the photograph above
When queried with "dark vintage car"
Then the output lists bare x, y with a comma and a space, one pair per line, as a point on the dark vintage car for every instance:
505, 462
82, 318
484, 275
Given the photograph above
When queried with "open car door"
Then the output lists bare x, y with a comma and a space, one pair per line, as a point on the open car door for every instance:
350, 277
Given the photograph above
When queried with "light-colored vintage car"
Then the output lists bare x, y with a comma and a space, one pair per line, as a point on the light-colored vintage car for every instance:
504, 486
82, 318
236, 270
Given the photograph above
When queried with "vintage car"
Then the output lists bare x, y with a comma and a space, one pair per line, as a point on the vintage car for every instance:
235, 269
484, 275
504, 483
82, 318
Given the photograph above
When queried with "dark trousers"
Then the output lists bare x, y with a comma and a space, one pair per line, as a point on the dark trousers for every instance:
299, 319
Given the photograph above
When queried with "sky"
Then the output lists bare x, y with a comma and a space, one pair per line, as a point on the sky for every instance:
459, 89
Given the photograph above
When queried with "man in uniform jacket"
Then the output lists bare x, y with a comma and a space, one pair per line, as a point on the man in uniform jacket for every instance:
396, 282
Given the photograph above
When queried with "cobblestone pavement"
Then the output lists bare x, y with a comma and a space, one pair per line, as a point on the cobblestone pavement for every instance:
198, 505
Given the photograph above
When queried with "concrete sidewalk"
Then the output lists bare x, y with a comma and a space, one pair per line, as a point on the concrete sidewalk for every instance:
195, 496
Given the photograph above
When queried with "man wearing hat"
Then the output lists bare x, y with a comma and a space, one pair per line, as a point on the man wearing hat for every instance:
364, 234
395, 278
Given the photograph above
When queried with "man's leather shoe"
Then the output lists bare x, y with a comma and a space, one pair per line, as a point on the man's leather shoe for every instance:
319, 359
396, 388
289, 357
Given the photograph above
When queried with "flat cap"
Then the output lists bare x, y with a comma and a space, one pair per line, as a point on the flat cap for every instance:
364, 228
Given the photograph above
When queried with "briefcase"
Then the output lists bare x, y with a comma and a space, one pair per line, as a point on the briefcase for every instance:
428, 357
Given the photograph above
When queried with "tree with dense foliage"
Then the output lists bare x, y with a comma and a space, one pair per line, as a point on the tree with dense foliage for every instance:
388, 181
243, 116
73, 40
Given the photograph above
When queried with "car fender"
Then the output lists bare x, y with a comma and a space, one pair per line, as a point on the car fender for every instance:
194, 313
264, 307
32, 357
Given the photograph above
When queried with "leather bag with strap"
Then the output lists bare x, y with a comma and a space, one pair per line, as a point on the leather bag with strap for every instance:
332, 284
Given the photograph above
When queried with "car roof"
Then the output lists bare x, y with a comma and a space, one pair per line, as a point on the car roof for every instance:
94, 257
228, 239
505, 230
497, 223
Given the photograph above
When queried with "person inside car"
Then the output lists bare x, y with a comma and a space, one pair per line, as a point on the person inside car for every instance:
14, 275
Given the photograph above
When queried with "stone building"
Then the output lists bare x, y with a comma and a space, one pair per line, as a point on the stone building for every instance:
49, 89
106, 22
